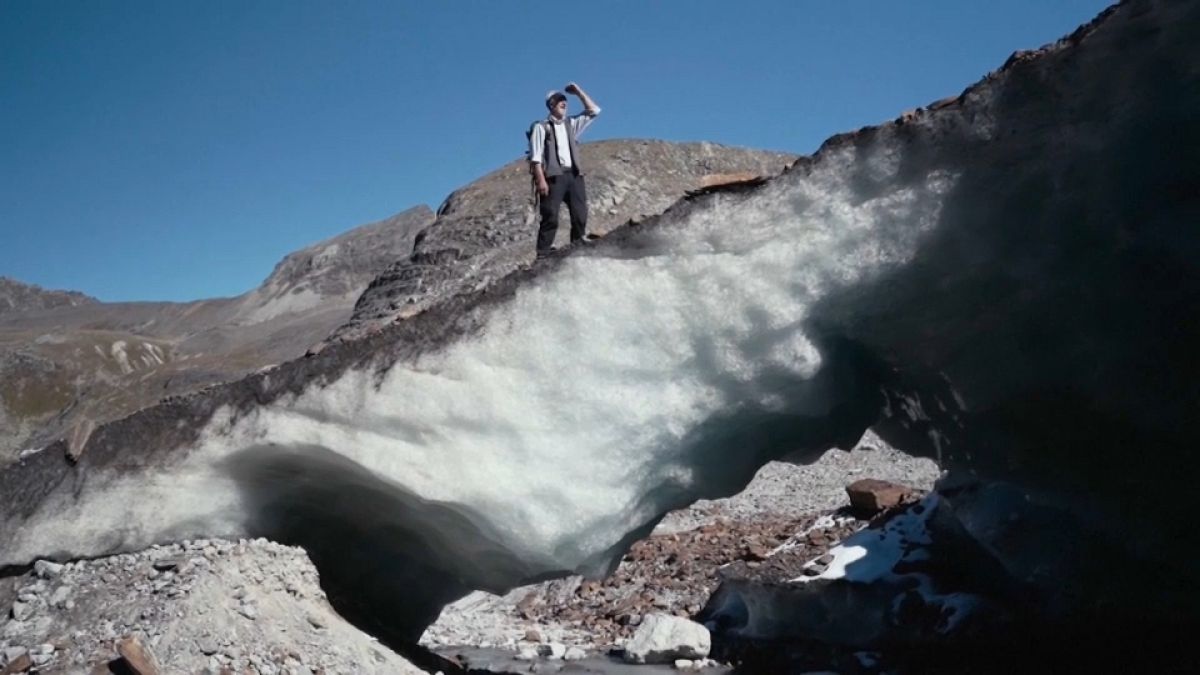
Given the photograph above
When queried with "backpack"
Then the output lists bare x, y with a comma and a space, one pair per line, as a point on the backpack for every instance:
529, 138
529, 155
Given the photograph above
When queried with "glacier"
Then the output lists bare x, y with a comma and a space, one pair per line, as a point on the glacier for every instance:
1006, 281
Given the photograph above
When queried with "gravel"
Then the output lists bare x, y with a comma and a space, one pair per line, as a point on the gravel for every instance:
204, 606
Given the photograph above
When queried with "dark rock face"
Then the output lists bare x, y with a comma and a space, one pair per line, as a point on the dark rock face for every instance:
487, 229
1040, 345
68, 362
18, 297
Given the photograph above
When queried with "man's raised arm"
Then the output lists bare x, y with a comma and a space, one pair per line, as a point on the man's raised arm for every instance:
589, 106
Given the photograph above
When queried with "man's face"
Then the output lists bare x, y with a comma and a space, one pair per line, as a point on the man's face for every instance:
559, 109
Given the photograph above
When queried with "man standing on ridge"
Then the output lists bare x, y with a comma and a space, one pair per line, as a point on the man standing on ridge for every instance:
554, 161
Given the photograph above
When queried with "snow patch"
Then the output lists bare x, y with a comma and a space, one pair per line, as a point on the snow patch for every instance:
875, 554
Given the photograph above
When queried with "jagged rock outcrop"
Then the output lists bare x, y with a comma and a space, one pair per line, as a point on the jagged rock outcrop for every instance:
1003, 281
20, 297
68, 362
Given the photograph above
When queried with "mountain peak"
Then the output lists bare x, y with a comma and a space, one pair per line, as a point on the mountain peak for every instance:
18, 296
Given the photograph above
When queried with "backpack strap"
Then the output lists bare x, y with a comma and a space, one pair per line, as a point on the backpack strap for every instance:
529, 136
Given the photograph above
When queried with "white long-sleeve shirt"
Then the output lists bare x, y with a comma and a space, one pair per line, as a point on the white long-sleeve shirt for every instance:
537, 139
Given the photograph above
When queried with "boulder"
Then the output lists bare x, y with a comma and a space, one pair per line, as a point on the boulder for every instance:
870, 495
663, 638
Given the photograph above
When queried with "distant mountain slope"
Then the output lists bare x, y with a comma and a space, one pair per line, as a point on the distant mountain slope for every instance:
68, 361
16, 296
335, 268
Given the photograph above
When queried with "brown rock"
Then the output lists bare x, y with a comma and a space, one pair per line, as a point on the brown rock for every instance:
719, 179
532, 635
525, 606
870, 495
138, 656
757, 552
18, 665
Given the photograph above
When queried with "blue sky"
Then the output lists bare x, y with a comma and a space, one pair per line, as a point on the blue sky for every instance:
177, 150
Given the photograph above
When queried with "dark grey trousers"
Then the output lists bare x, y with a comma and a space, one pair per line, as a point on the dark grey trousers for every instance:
568, 186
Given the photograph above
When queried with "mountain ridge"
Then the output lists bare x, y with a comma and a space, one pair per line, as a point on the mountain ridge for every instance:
19, 296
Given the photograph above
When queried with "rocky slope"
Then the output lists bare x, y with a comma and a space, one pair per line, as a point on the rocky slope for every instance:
204, 606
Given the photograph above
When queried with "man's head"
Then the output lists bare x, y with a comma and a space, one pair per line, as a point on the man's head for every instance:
556, 101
